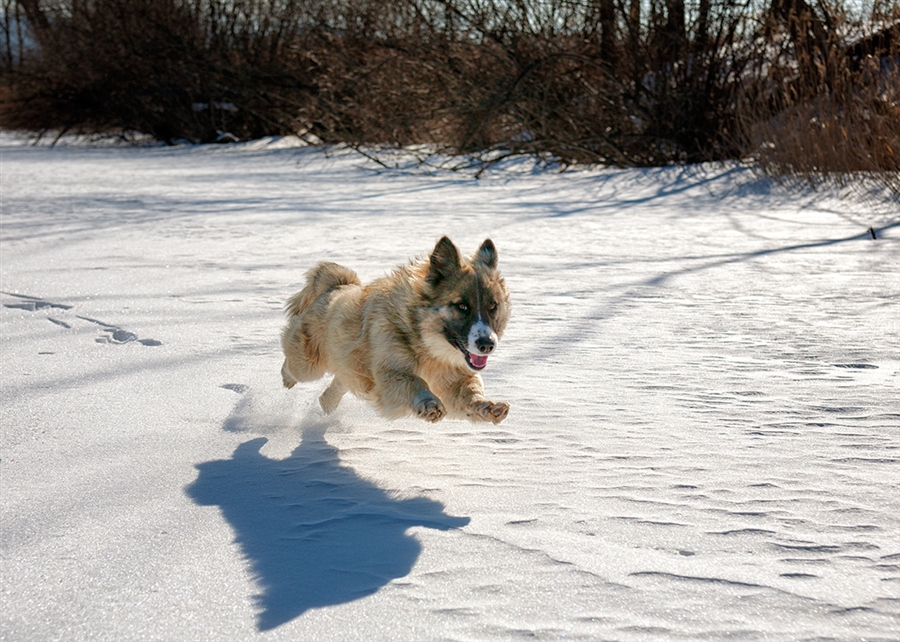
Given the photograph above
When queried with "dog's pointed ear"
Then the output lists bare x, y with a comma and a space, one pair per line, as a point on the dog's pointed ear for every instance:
444, 261
487, 254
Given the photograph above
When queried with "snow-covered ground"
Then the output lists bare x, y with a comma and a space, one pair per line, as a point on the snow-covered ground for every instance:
703, 368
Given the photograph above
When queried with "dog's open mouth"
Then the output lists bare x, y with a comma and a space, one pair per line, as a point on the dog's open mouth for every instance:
476, 361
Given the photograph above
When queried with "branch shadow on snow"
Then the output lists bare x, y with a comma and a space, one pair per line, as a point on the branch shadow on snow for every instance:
314, 532
588, 325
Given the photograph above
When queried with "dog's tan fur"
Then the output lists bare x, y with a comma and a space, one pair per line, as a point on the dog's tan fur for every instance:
386, 341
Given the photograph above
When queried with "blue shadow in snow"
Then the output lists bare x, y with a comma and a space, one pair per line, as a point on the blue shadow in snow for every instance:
315, 533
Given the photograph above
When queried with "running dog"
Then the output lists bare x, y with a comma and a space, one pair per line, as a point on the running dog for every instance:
411, 342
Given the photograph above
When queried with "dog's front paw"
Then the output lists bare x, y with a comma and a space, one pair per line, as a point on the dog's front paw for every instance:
489, 411
429, 408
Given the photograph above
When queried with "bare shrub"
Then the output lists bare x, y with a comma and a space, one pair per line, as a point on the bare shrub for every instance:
824, 102
104, 66
578, 80
168, 68
834, 139
636, 82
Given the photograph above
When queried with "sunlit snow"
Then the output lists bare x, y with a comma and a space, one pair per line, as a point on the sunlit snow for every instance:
703, 369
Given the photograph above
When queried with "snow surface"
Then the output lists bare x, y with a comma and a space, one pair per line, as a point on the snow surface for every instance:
703, 368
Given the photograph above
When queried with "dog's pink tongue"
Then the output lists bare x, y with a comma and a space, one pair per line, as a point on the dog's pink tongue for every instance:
477, 360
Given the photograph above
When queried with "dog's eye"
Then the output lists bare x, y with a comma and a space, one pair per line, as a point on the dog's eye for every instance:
492, 307
461, 306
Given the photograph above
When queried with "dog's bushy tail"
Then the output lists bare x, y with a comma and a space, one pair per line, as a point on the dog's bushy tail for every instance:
319, 280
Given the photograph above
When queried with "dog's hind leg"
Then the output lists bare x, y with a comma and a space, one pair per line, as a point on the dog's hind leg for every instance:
330, 399
297, 369
301, 361
286, 377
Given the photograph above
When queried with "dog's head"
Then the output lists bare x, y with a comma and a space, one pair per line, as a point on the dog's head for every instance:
467, 302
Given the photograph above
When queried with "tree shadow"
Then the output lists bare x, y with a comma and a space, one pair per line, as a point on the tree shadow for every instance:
589, 324
314, 532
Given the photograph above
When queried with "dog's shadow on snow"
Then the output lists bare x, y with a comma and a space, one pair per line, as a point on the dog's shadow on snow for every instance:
314, 532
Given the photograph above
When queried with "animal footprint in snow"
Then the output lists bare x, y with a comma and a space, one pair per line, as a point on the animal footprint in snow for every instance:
117, 335
32, 303
120, 336
112, 333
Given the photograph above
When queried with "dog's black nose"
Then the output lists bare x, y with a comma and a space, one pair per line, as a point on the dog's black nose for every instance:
485, 345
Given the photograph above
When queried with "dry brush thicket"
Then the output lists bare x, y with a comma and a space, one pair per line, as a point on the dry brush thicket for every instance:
805, 89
